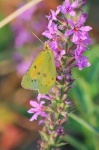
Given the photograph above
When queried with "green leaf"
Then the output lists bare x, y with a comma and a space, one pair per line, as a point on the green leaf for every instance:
75, 143
60, 144
84, 124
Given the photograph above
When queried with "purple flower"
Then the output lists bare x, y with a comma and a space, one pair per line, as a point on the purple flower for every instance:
82, 19
53, 15
37, 109
52, 31
77, 31
54, 44
81, 46
58, 51
67, 7
82, 62
60, 131
43, 96
59, 54
81, 43
78, 52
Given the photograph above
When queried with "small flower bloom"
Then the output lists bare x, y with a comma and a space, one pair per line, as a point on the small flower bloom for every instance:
37, 109
68, 102
58, 54
60, 131
77, 31
68, 8
82, 62
51, 32
78, 52
59, 77
81, 46
43, 96
53, 15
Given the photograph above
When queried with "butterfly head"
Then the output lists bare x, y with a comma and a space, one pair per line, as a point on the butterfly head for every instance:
46, 46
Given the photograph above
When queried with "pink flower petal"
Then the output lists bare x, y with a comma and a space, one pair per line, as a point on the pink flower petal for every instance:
71, 23
41, 103
74, 4
72, 13
75, 38
67, 3
34, 117
34, 104
86, 28
68, 32
30, 111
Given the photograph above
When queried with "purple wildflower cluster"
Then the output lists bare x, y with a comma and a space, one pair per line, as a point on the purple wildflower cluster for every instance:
66, 26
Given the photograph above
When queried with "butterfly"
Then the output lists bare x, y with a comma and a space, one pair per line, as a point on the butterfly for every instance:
41, 75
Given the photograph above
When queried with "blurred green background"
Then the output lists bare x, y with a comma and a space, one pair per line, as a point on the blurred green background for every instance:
18, 47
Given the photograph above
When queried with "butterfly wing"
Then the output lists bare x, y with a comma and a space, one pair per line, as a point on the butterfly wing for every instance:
42, 73
28, 83
48, 74
29, 80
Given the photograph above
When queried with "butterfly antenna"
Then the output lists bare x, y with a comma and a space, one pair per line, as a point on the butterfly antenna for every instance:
37, 37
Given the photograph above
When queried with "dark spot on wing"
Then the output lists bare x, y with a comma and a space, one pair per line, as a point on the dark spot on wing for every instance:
35, 66
38, 73
52, 78
44, 74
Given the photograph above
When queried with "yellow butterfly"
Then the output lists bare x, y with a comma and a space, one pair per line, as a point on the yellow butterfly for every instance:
41, 75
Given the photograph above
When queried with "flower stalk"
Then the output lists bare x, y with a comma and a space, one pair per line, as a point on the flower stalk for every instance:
69, 39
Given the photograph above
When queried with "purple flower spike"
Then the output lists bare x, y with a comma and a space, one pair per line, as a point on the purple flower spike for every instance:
68, 38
